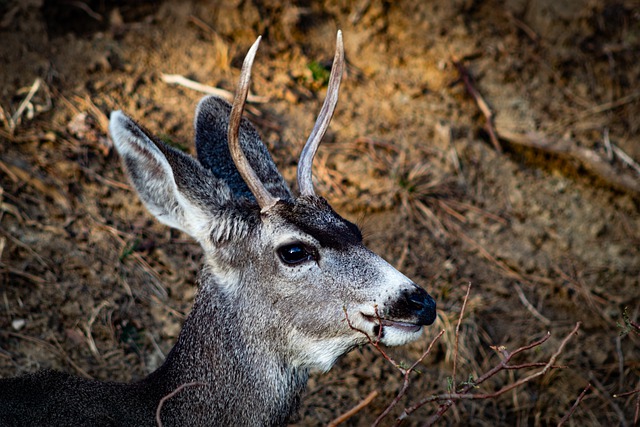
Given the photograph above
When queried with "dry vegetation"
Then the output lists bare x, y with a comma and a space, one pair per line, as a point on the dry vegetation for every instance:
486, 142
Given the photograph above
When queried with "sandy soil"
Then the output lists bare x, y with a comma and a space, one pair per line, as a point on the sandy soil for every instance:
91, 284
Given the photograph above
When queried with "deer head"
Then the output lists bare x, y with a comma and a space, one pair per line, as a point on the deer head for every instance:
290, 269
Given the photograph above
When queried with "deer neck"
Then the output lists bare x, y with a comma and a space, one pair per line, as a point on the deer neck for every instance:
231, 362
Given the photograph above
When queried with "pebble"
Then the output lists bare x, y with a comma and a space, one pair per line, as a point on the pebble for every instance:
18, 324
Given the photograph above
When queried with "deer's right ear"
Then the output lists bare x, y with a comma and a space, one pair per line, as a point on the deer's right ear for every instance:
212, 124
173, 186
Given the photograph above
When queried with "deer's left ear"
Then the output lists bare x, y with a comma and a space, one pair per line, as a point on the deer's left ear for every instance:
174, 186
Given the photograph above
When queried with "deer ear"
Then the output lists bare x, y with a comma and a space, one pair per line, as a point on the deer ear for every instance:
173, 186
211, 124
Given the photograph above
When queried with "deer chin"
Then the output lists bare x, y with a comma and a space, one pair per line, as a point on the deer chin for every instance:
394, 332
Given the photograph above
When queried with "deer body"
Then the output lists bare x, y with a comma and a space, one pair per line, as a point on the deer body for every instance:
280, 275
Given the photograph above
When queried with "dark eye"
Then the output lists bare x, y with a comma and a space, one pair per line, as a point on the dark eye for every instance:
294, 253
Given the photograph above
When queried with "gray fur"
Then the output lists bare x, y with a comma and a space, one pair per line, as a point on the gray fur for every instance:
258, 325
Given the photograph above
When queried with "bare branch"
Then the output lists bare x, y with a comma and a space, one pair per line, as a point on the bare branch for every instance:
628, 393
449, 399
575, 405
530, 307
351, 412
455, 351
375, 343
173, 394
405, 383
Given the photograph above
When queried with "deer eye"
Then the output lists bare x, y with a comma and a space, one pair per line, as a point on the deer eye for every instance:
295, 253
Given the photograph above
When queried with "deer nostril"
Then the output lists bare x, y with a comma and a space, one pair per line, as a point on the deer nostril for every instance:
416, 302
423, 306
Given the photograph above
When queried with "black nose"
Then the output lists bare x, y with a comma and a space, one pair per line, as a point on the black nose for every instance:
422, 306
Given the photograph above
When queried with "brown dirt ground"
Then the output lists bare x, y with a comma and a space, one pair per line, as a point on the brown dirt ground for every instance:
91, 284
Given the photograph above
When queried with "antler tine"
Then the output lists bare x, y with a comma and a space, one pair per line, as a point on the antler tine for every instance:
305, 183
265, 200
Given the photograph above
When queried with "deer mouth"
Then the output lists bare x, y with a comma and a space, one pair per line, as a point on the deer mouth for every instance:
388, 323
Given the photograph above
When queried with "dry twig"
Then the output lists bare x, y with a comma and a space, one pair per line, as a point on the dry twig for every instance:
482, 104
575, 405
530, 307
449, 399
406, 381
173, 394
636, 414
351, 412
589, 159
466, 392
457, 336
209, 90
405, 372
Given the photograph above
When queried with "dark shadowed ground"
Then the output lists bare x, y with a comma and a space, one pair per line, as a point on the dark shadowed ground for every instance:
92, 285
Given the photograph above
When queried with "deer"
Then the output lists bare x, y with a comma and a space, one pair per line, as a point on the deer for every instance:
287, 285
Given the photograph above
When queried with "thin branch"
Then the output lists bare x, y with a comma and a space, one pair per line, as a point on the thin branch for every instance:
455, 351
406, 381
601, 389
173, 394
628, 393
530, 306
449, 399
575, 405
405, 372
375, 343
351, 412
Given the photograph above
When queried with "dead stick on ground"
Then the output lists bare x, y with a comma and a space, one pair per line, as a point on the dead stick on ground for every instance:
351, 412
529, 306
15, 119
482, 104
588, 158
210, 90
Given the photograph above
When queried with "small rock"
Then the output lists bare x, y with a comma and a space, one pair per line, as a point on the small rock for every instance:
18, 324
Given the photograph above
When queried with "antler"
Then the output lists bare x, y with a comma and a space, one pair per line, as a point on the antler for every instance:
265, 200
305, 183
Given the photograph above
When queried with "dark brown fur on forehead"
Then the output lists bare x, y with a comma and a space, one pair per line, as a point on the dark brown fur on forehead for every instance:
314, 216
